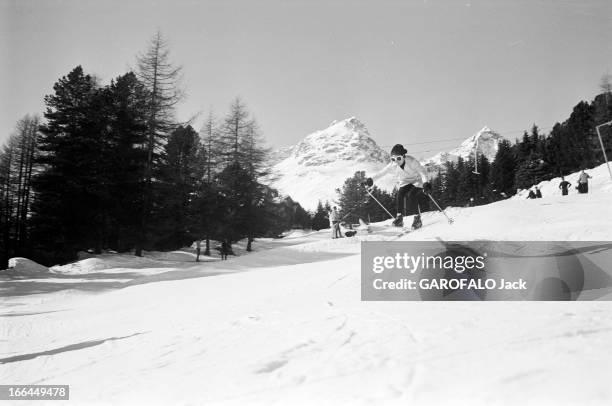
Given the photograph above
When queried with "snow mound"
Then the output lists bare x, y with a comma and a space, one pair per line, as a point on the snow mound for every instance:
298, 233
96, 264
172, 256
26, 266
120, 262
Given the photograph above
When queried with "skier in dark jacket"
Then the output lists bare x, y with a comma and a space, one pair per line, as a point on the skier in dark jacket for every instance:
412, 182
564, 186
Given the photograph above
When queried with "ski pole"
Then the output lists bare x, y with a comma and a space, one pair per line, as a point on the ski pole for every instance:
450, 220
345, 216
379, 203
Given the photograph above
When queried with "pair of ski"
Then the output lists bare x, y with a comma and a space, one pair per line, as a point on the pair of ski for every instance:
406, 231
450, 220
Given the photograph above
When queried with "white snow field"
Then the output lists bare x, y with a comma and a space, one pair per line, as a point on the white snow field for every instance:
285, 325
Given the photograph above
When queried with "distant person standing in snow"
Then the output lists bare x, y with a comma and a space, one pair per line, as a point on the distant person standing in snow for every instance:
564, 186
583, 182
334, 223
224, 249
412, 185
198, 250
538, 193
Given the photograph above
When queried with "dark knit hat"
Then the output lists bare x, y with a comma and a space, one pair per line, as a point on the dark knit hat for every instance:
398, 149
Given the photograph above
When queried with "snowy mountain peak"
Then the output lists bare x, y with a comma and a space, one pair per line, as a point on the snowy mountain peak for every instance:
487, 134
320, 163
485, 141
351, 121
345, 140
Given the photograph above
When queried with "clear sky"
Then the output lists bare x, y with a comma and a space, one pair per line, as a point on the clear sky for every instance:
412, 71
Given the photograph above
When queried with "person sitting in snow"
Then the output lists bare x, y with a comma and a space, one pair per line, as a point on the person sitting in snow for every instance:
531, 195
538, 193
412, 182
564, 186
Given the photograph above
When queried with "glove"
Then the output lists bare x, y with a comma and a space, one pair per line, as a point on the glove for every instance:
368, 182
427, 187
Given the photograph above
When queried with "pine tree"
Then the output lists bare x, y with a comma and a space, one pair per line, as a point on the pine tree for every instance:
532, 171
602, 113
582, 132
467, 187
292, 215
207, 211
124, 162
237, 189
483, 195
236, 130
437, 188
101, 192
301, 218
211, 147
16, 169
242, 146
179, 177
451, 182
211, 152
524, 148
160, 78
503, 169
7, 213
352, 197
70, 140
605, 85
320, 219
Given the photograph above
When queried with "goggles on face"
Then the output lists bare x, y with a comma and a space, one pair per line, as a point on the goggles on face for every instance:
397, 158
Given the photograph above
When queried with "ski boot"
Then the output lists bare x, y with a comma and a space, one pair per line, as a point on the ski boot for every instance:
399, 221
416, 223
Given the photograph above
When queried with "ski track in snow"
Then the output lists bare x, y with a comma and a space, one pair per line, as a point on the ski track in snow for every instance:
285, 325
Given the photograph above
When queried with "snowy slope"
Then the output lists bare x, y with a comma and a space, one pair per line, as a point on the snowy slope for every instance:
278, 155
321, 162
285, 325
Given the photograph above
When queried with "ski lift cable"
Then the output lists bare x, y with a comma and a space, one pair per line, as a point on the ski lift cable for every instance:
459, 139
